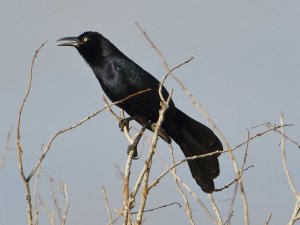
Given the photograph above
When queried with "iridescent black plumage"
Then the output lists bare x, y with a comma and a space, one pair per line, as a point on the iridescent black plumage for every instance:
120, 77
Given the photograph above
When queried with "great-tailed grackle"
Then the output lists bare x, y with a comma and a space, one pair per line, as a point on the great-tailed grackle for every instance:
120, 77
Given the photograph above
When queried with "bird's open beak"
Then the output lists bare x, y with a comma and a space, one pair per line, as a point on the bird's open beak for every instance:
70, 41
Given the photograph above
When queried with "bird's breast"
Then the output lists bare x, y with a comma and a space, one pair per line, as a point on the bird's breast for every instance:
113, 84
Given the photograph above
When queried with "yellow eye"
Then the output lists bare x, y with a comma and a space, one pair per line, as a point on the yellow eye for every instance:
85, 39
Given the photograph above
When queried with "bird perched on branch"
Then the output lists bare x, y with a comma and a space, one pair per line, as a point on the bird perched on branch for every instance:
120, 77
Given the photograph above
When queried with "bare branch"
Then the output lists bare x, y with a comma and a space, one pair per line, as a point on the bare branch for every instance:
126, 131
286, 170
5, 149
228, 221
295, 215
156, 181
36, 211
26, 180
185, 199
181, 182
47, 148
215, 207
209, 119
148, 163
242, 189
270, 128
269, 219
50, 214
127, 203
107, 205
65, 191
234, 180
269, 124
54, 199
19, 144
170, 72
159, 207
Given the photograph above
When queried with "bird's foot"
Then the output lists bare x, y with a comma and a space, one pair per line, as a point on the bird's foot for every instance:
161, 132
125, 123
133, 147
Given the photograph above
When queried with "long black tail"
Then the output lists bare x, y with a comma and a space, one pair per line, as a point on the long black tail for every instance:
195, 138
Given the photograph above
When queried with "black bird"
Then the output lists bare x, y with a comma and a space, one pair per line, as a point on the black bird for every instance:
120, 77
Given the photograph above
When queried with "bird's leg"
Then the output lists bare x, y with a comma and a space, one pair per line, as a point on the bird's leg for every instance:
161, 132
133, 146
125, 122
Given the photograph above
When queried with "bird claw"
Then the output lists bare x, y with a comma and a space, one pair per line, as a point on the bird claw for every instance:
125, 123
133, 147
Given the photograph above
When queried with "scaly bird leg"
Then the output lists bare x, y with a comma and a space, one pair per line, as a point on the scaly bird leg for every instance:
133, 146
161, 132
125, 122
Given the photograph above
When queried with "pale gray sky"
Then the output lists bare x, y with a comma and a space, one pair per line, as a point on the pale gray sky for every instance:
245, 72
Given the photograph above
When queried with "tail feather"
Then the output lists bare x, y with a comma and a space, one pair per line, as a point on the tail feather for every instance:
197, 139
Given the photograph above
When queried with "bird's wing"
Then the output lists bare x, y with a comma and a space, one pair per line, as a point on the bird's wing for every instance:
137, 79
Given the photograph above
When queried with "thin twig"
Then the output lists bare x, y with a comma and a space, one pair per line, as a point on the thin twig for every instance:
5, 149
47, 148
110, 109
55, 204
286, 170
234, 180
185, 199
228, 221
246, 152
230, 212
181, 182
240, 176
217, 152
169, 73
296, 211
65, 191
216, 209
269, 124
269, 219
159, 207
289, 139
107, 205
51, 214
126, 202
295, 217
275, 128
115, 219
214, 153
156, 181
36, 212
245, 202
19, 144
198, 200
242, 188
125, 129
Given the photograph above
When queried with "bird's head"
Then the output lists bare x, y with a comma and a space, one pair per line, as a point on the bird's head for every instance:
89, 45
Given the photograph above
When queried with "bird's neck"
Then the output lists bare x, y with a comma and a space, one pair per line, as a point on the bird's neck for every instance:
108, 49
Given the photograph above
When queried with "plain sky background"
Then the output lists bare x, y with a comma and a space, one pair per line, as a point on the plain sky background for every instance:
245, 72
